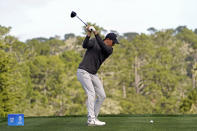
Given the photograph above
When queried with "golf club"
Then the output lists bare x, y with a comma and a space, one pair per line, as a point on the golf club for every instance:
73, 14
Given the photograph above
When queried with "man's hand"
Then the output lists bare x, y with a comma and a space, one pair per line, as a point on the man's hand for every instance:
88, 31
91, 28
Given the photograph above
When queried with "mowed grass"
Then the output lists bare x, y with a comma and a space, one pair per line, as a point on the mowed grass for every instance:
114, 123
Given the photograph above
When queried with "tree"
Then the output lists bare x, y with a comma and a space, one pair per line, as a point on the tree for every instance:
55, 46
41, 39
189, 104
152, 30
4, 31
180, 28
195, 31
130, 35
12, 90
69, 35
6, 95
188, 36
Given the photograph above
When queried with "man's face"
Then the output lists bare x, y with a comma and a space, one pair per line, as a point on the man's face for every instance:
109, 42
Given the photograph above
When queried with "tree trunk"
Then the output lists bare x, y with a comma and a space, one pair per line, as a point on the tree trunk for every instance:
61, 106
124, 91
193, 81
137, 77
45, 80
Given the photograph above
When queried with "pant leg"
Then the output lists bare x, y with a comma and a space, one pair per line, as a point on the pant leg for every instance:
100, 93
85, 79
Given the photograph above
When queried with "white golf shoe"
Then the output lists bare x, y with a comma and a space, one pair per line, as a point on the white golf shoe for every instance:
95, 122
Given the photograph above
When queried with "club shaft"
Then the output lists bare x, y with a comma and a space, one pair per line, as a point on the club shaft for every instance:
81, 20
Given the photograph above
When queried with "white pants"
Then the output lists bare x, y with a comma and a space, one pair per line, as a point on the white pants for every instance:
93, 87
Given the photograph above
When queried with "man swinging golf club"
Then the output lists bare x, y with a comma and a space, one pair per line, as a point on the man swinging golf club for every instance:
97, 51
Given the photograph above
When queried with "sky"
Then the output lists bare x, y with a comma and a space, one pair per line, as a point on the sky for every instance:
48, 18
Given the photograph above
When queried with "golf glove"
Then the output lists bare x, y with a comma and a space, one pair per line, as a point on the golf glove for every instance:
91, 28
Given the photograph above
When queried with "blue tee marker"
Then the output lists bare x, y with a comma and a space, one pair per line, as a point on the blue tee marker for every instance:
15, 119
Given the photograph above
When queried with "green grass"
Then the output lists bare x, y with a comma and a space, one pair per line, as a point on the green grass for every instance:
114, 123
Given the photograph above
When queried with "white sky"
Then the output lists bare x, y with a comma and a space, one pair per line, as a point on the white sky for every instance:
47, 18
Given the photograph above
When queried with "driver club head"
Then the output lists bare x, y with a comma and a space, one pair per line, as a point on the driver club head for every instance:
73, 14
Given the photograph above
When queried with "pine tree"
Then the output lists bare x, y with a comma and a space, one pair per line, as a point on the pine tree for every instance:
6, 98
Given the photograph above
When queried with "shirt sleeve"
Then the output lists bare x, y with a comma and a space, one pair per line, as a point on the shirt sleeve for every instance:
87, 43
107, 49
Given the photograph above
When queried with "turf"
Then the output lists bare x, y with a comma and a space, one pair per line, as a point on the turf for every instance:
114, 123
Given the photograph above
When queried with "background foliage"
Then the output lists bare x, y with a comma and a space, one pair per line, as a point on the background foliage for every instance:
147, 73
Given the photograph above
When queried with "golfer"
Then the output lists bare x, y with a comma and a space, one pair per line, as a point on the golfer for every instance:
97, 52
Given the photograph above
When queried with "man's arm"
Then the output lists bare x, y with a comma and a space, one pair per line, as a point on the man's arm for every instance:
107, 49
86, 43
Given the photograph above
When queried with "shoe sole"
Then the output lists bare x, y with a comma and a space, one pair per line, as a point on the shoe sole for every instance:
95, 125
